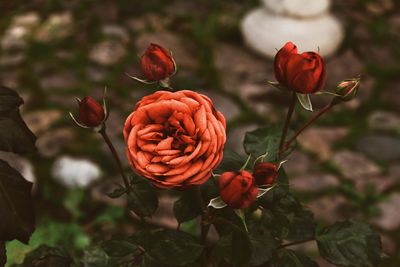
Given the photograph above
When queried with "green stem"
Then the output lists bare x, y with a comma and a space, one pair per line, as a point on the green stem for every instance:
287, 122
103, 133
311, 121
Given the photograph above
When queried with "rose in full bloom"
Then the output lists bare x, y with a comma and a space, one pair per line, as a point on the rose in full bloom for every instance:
237, 189
91, 113
157, 63
175, 139
303, 73
265, 173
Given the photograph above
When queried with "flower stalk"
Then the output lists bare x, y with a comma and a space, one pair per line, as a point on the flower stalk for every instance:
287, 122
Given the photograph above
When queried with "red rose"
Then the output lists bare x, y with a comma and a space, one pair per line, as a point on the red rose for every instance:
175, 138
91, 113
237, 189
265, 173
303, 73
157, 63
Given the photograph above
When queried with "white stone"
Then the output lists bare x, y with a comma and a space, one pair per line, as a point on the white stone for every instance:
266, 32
298, 8
75, 172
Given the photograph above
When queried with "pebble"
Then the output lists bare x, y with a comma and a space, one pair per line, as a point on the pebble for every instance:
108, 52
298, 163
389, 218
63, 80
53, 142
312, 182
330, 209
55, 28
385, 121
40, 121
354, 165
320, 140
222, 103
391, 95
381, 148
236, 136
75, 172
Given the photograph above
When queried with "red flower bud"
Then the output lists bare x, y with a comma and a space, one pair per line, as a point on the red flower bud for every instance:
157, 63
303, 73
91, 113
265, 173
237, 189
347, 89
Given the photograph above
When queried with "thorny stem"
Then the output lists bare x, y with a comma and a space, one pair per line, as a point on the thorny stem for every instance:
296, 243
204, 226
311, 121
287, 122
103, 133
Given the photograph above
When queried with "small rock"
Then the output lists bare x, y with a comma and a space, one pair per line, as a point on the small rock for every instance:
354, 165
389, 218
391, 95
344, 66
11, 78
314, 182
389, 245
331, 209
236, 136
394, 172
74, 172
28, 20
298, 8
223, 103
41, 121
115, 32
61, 80
385, 121
15, 38
56, 27
14, 59
323, 263
298, 164
97, 73
320, 140
21, 164
108, 52
52, 142
380, 147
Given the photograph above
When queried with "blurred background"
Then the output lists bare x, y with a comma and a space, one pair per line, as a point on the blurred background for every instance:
348, 165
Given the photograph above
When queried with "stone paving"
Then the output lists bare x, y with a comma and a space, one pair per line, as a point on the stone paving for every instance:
347, 165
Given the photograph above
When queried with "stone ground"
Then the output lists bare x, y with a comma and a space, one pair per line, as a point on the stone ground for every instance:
347, 165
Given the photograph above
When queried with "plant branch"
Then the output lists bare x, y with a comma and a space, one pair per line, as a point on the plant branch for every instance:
204, 225
103, 133
287, 122
311, 121
296, 243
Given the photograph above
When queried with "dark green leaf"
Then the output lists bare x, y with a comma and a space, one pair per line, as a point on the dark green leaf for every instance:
187, 207
16, 210
15, 136
170, 247
95, 257
3, 254
119, 247
263, 244
45, 256
265, 140
289, 258
117, 192
350, 244
142, 199
232, 161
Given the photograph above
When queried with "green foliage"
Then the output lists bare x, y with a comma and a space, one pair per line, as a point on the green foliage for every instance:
232, 162
16, 211
263, 245
3, 253
168, 247
265, 141
142, 198
350, 244
290, 258
45, 256
187, 207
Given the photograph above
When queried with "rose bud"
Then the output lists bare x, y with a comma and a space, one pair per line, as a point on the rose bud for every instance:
157, 63
175, 139
347, 89
91, 113
302, 73
237, 189
265, 173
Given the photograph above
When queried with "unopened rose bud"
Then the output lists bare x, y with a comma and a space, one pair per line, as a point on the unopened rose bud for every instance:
237, 189
91, 113
347, 89
157, 63
265, 173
